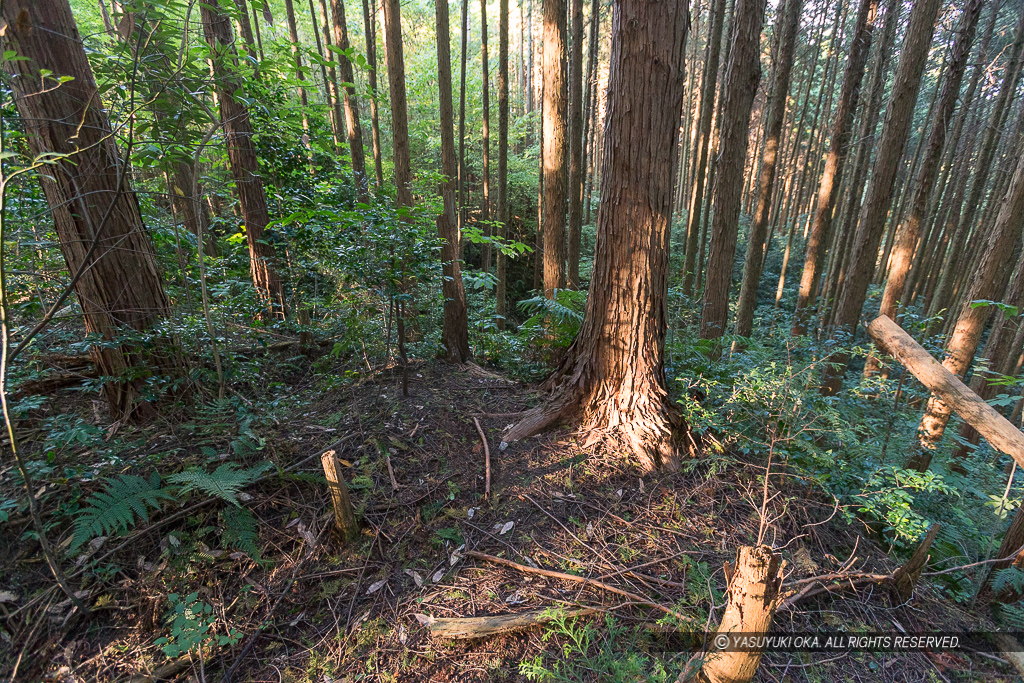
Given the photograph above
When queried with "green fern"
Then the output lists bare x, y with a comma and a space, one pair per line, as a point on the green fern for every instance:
565, 309
1008, 579
225, 482
115, 509
240, 532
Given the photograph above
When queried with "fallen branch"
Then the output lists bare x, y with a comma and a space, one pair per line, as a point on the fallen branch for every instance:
480, 627
487, 458
580, 579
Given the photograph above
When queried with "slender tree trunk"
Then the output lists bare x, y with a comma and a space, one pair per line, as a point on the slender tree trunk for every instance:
878, 200
910, 229
245, 28
832, 177
612, 378
741, 79
454, 332
244, 164
555, 143
462, 114
502, 189
485, 205
788, 23
575, 146
395, 57
333, 91
354, 131
1002, 241
300, 73
321, 53
95, 211
370, 26
701, 153
259, 37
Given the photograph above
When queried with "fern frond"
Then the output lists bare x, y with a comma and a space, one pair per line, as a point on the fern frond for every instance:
1010, 578
225, 482
240, 532
116, 508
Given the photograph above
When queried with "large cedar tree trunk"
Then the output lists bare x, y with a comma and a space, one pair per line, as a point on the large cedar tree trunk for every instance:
242, 157
95, 211
788, 23
370, 27
741, 80
555, 139
454, 333
878, 199
835, 162
502, 189
612, 379
984, 285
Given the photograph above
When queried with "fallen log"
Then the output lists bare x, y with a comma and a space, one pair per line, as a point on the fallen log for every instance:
937, 379
493, 624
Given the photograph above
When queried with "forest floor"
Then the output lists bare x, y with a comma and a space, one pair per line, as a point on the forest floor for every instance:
310, 611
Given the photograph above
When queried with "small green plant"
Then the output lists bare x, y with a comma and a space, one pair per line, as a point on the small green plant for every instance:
225, 482
190, 621
116, 508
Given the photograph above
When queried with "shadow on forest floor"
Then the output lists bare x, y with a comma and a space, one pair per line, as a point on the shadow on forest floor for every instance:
330, 614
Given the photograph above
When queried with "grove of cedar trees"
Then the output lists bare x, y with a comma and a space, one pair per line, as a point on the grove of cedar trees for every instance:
640, 209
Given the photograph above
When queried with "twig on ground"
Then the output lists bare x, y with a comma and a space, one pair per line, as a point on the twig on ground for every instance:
487, 458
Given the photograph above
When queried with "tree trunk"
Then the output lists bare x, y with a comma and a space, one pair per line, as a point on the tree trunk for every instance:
999, 249
878, 199
300, 74
701, 153
244, 163
399, 109
333, 91
753, 592
353, 130
454, 331
502, 194
370, 26
95, 211
555, 142
909, 231
485, 95
575, 146
839, 149
462, 114
741, 79
612, 378
787, 25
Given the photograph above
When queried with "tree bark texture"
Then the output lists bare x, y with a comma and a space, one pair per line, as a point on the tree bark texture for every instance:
502, 188
399, 108
555, 143
95, 211
575, 147
353, 130
612, 379
370, 27
741, 80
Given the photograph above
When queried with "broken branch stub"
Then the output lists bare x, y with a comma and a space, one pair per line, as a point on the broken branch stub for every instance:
345, 526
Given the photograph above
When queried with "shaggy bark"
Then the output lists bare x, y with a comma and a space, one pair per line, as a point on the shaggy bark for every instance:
399, 108
502, 189
612, 378
95, 211
370, 28
575, 147
353, 131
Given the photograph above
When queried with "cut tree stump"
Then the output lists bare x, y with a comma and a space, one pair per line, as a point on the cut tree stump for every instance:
345, 526
753, 594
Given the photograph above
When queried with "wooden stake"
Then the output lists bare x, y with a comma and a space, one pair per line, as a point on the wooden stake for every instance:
345, 526
487, 459
906, 576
